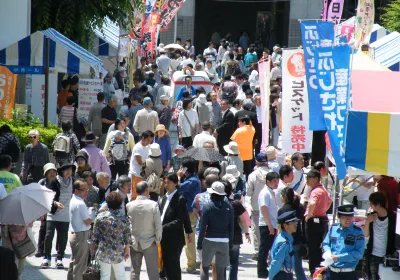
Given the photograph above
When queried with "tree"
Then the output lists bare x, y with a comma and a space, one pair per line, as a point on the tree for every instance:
391, 17
77, 19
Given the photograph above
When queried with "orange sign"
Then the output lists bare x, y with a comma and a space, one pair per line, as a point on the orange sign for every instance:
8, 83
295, 65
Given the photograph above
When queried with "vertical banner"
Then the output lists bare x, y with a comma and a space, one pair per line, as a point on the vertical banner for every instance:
168, 11
364, 22
296, 135
264, 74
149, 28
88, 90
315, 34
335, 11
8, 82
333, 72
37, 97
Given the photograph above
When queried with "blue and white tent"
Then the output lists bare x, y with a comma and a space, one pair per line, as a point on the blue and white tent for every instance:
107, 40
387, 51
28, 55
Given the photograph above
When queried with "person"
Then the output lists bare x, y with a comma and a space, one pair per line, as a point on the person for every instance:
217, 219
211, 72
390, 187
255, 183
151, 171
163, 61
144, 216
176, 160
236, 106
291, 202
276, 53
105, 185
140, 153
7, 179
224, 130
188, 87
8, 267
175, 223
112, 235
9, 145
137, 82
73, 88
97, 159
94, 118
276, 71
163, 89
146, 118
93, 198
188, 123
250, 58
316, 219
190, 60
126, 104
82, 165
161, 138
344, 244
136, 106
190, 186
67, 113
231, 64
285, 178
63, 94
210, 53
282, 259
215, 110
189, 47
109, 86
204, 136
202, 109
299, 179
248, 109
119, 77
244, 137
267, 221
228, 89
257, 102
108, 117
164, 111
36, 155
238, 184
274, 116
244, 40
58, 218
65, 145
232, 158
380, 228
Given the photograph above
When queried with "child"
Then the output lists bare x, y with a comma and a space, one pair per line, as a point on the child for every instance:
165, 145
119, 154
176, 162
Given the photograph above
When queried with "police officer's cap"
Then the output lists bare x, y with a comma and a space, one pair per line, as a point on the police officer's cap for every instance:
346, 210
287, 217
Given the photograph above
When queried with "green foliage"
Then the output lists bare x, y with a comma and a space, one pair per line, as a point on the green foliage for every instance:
21, 124
391, 17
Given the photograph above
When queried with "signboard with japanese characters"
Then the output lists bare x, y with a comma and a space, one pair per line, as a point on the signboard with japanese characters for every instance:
315, 34
335, 11
8, 82
88, 90
265, 77
168, 11
333, 72
296, 135
364, 22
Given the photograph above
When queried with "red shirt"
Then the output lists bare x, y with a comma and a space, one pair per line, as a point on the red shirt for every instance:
390, 187
322, 199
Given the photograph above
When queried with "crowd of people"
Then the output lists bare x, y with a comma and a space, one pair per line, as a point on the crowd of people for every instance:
124, 186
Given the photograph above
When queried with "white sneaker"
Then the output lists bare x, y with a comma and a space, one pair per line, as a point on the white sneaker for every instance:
59, 264
45, 263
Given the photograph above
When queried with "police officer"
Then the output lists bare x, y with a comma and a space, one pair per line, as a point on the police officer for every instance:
282, 259
346, 243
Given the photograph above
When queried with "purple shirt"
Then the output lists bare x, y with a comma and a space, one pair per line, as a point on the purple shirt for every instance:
97, 159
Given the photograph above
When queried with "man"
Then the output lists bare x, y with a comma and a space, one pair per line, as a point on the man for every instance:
8, 179
299, 181
244, 137
146, 118
215, 110
163, 89
188, 87
157, 73
97, 159
135, 107
317, 222
63, 95
9, 145
164, 111
257, 102
344, 244
247, 109
79, 235
231, 64
250, 58
124, 187
36, 155
94, 119
105, 185
276, 71
73, 88
140, 153
136, 89
108, 86
236, 106
255, 183
210, 53
61, 152
108, 117
163, 62
267, 222
188, 61
119, 77
204, 136
225, 128
285, 178
145, 219
275, 55
190, 186
189, 47
244, 40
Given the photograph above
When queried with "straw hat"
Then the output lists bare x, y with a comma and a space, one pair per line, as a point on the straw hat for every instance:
161, 127
232, 148
155, 150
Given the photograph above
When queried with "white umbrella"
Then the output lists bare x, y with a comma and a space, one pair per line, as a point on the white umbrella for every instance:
25, 204
174, 46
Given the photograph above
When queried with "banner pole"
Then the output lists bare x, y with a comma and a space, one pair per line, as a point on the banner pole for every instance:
46, 83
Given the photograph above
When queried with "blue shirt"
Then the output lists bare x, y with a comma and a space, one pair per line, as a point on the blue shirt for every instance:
165, 147
189, 188
346, 243
179, 95
132, 114
249, 58
281, 254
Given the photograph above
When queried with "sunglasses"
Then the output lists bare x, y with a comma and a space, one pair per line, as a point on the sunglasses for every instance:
32, 137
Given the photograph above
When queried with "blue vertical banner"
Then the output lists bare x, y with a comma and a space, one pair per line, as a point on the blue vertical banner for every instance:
333, 78
315, 34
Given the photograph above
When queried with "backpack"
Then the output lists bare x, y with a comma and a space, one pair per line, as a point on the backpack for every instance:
62, 145
153, 181
12, 150
119, 152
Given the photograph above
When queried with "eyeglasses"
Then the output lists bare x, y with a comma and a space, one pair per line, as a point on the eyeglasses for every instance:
32, 137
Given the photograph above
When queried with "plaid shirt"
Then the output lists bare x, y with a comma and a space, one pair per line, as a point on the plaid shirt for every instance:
35, 156
74, 144
4, 141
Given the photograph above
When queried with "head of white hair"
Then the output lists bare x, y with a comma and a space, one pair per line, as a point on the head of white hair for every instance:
34, 131
102, 175
113, 98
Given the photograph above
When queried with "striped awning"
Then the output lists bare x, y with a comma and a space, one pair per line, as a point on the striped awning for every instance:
28, 55
387, 51
109, 35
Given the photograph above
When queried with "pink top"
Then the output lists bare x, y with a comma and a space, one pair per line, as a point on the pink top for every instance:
322, 199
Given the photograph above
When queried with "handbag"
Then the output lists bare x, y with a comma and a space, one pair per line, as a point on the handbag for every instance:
92, 272
23, 248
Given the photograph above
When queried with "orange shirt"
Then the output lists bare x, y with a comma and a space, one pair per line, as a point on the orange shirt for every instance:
62, 98
243, 136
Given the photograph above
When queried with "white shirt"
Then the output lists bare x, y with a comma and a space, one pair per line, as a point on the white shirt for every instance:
253, 79
163, 63
275, 73
212, 53
138, 150
233, 110
277, 192
187, 61
203, 137
298, 178
78, 212
3, 192
259, 114
267, 198
380, 237
169, 197
184, 124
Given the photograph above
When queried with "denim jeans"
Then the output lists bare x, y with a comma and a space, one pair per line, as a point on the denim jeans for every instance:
266, 241
298, 266
234, 262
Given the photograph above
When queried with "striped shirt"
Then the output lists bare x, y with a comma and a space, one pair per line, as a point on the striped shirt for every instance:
67, 114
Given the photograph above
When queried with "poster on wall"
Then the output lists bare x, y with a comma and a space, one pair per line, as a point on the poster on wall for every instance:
8, 82
88, 90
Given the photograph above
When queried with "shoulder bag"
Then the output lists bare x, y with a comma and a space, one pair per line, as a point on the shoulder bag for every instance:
22, 248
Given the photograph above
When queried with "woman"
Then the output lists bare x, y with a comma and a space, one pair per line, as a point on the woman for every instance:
112, 235
211, 72
161, 138
188, 123
82, 159
291, 202
65, 157
152, 170
217, 220
253, 79
175, 221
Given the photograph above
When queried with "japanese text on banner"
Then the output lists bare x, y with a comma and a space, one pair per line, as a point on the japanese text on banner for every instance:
8, 82
88, 90
364, 22
333, 80
296, 136
315, 34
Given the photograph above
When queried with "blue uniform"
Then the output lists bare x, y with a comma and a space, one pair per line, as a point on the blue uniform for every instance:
348, 244
282, 256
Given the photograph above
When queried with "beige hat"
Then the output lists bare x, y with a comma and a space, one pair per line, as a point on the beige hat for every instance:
232, 169
231, 179
49, 166
155, 150
271, 152
165, 97
232, 148
217, 188
161, 127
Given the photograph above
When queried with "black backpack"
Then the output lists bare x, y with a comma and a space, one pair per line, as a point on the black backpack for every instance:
12, 149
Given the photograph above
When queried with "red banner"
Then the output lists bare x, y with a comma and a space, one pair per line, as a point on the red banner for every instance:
168, 11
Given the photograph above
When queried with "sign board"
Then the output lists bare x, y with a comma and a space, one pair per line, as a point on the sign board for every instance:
88, 90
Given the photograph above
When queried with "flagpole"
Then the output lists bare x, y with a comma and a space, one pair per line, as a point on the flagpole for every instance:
46, 84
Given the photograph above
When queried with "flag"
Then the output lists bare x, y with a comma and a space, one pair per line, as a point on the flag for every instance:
168, 11
335, 11
364, 22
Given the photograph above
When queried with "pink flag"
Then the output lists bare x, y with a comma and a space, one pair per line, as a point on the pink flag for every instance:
335, 11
